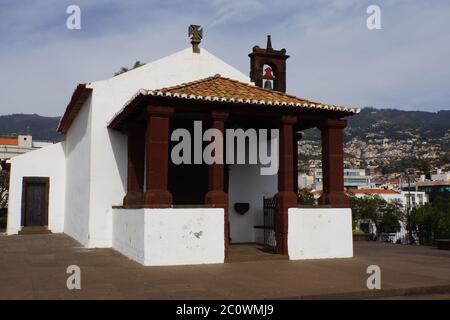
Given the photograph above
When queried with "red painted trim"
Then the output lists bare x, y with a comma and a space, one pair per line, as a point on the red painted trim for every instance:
333, 163
136, 163
216, 195
285, 197
157, 157
79, 96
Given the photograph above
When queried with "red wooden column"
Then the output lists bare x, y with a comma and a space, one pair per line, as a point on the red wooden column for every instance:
157, 166
298, 136
136, 162
333, 163
285, 197
216, 195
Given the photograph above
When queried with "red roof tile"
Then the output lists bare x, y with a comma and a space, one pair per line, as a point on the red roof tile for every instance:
222, 89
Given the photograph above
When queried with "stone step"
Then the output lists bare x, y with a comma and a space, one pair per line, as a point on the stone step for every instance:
34, 230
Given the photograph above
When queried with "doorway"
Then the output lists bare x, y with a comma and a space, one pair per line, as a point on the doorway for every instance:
35, 195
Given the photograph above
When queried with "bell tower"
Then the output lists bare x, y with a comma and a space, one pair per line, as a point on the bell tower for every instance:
268, 67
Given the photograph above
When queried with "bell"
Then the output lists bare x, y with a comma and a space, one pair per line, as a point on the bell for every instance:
268, 85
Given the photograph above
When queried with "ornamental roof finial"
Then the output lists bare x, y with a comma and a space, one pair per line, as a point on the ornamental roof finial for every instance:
195, 32
269, 43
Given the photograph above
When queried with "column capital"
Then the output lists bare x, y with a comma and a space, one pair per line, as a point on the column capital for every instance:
288, 119
219, 115
163, 111
331, 123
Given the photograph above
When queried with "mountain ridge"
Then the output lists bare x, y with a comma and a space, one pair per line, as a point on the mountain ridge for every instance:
370, 122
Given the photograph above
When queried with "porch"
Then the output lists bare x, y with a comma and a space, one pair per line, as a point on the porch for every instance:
156, 182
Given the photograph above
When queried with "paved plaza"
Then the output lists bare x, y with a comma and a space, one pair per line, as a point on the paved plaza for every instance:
34, 267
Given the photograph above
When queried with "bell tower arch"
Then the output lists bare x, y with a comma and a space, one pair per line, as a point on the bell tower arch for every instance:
275, 60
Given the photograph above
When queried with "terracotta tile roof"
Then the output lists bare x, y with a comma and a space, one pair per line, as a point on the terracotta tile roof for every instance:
9, 141
79, 96
222, 89
373, 191
365, 191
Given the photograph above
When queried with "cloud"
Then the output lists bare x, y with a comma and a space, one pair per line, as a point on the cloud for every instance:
334, 57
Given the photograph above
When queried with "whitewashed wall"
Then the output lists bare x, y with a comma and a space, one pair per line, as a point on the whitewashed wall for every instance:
159, 237
46, 162
320, 233
108, 165
78, 173
246, 184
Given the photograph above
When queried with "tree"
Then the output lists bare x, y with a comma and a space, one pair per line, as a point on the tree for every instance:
432, 220
137, 64
306, 197
4, 187
392, 213
385, 215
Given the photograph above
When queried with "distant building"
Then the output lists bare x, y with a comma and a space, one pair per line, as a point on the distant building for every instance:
305, 181
440, 176
434, 189
437, 186
353, 179
418, 198
11, 146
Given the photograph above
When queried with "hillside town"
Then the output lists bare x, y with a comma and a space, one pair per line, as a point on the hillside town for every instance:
383, 155
409, 169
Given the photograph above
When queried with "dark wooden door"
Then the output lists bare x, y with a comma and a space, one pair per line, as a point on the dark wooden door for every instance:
35, 201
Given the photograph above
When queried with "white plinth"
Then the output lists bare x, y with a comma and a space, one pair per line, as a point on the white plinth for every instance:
320, 233
161, 237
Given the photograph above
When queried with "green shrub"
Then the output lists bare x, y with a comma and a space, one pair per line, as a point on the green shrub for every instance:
432, 221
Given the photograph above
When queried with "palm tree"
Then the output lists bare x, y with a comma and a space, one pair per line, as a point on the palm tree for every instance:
137, 64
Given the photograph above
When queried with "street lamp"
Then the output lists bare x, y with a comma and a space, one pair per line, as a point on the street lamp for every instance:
409, 210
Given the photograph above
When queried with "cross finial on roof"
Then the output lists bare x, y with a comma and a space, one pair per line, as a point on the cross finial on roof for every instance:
196, 34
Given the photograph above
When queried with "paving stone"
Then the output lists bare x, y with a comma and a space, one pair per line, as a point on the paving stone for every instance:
34, 267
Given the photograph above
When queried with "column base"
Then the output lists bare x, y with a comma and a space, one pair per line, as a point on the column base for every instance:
157, 198
335, 200
284, 200
133, 198
217, 198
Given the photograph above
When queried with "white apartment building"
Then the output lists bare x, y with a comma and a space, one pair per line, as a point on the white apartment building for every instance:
353, 179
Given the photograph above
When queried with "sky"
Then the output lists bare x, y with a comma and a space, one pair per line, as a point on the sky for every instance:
335, 58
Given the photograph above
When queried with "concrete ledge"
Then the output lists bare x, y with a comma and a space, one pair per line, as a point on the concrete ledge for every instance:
161, 237
320, 233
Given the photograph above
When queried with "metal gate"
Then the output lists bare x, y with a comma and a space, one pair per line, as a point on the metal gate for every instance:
270, 208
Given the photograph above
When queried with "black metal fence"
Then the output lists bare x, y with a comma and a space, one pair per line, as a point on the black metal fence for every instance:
270, 208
